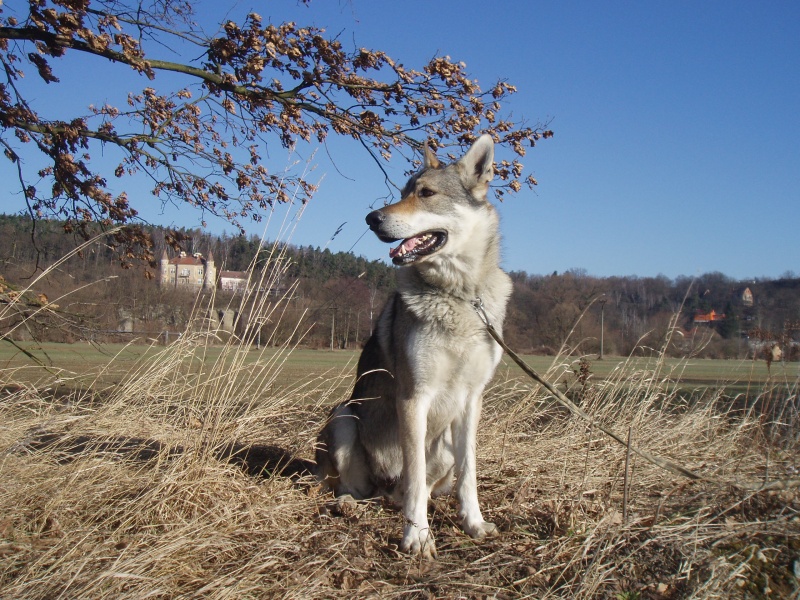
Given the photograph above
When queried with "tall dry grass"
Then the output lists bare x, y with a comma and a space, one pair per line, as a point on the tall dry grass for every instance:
189, 479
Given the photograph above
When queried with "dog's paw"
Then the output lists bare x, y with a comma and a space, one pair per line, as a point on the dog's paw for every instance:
418, 541
345, 505
481, 529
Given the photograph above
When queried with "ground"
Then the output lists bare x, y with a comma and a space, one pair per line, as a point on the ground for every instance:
183, 475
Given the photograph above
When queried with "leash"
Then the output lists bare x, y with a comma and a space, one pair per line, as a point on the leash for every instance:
664, 463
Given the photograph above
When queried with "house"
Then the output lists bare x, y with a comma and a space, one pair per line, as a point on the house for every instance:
710, 317
185, 271
240, 282
233, 281
747, 297
198, 272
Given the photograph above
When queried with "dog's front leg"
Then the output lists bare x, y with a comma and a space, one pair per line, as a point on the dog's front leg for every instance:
464, 440
413, 420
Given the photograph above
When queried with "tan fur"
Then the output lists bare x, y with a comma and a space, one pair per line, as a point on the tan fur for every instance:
431, 162
407, 206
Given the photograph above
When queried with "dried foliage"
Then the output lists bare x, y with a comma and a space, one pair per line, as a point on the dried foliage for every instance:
203, 142
186, 480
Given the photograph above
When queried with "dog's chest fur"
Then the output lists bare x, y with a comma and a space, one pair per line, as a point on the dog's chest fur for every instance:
446, 346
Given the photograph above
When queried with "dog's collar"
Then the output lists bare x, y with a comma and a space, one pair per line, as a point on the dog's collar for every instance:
477, 304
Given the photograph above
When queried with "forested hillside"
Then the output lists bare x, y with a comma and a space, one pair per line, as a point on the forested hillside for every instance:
337, 296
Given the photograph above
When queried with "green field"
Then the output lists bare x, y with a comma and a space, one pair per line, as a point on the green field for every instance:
85, 365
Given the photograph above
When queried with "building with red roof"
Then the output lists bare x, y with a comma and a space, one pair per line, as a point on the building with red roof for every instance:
188, 271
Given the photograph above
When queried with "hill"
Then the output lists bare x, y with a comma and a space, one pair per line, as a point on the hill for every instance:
338, 296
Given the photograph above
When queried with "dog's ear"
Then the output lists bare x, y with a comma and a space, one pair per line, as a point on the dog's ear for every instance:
477, 166
431, 162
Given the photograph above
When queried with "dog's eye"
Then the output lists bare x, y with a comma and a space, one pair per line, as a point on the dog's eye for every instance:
426, 193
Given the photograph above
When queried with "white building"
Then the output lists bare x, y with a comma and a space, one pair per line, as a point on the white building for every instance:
233, 281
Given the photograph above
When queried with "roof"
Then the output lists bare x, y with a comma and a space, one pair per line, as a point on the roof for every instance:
187, 260
700, 317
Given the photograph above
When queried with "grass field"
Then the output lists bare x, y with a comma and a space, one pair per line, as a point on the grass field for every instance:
86, 364
134, 471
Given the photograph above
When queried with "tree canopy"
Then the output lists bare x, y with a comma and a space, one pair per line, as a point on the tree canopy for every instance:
200, 126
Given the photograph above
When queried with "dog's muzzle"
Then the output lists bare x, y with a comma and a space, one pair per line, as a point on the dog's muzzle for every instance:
411, 248
375, 220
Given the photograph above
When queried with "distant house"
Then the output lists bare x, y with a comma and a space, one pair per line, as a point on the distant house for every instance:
197, 272
747, 297
233, 281
240, 282
709, 317
185, 271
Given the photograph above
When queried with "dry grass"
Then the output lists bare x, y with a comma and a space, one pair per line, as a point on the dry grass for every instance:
188, 481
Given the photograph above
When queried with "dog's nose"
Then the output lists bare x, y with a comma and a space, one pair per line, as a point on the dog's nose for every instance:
375, 218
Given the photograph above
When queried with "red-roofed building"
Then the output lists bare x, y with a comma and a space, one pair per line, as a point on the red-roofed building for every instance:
710, 317
188, 271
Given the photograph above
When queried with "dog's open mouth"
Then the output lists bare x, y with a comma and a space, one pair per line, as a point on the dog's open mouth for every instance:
416, 247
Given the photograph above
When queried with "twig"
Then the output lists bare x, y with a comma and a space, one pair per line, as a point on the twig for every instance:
625, 482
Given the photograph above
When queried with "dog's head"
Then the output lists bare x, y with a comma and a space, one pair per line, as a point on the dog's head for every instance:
437, 205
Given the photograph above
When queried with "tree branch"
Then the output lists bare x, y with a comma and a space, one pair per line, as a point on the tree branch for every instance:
50, 129
61, 41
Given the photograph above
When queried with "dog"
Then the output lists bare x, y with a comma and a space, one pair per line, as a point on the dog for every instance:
409, 430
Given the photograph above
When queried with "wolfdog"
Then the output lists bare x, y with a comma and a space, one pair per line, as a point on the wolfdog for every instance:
408, 431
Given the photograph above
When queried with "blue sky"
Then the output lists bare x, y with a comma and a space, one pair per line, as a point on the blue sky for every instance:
677, 133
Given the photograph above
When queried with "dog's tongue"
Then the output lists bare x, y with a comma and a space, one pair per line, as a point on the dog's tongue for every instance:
408, 245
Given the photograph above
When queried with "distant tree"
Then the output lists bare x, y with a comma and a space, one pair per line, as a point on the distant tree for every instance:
200, 132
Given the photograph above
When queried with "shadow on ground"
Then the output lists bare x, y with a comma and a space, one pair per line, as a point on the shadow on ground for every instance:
254, 459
